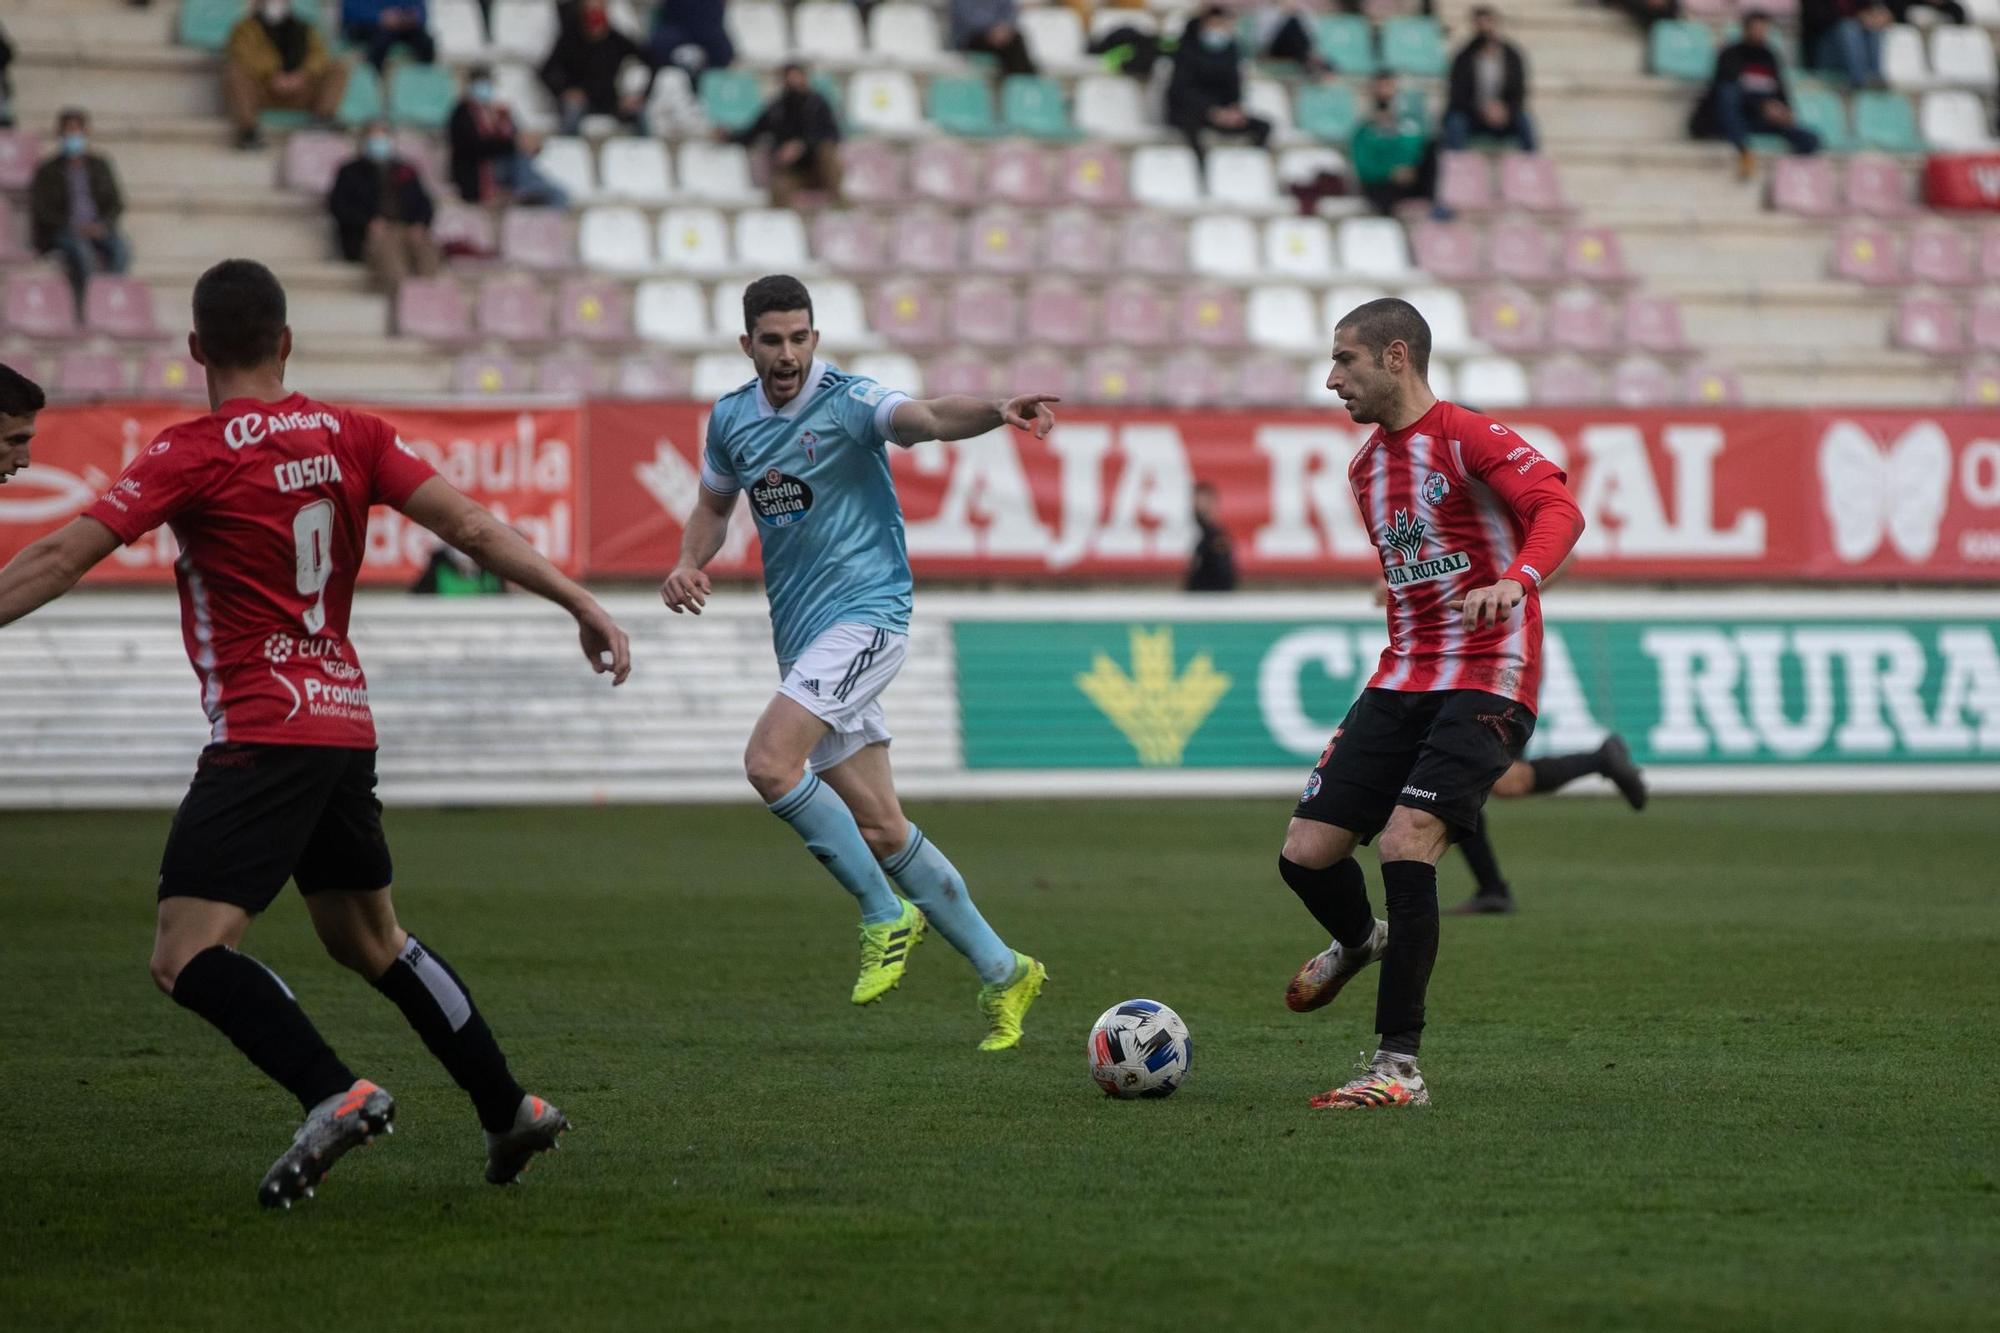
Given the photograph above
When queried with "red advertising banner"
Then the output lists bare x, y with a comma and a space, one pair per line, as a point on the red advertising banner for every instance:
521, 463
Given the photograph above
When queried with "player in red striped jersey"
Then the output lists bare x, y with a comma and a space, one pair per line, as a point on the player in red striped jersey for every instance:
1468, 518
269, 497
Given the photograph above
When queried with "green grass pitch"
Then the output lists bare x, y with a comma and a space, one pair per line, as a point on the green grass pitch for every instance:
1733, 1067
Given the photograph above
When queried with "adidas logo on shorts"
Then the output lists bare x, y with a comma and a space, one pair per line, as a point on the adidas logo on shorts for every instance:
811, 687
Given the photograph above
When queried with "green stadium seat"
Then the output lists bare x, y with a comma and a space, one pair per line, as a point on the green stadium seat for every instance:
1885, 121
422, 95
1678, 49
1032, 105
206, 23
962, 105
1345, 42
363, 100
1415, 103
1327, 112
1824, 112
731, 98
1413, 46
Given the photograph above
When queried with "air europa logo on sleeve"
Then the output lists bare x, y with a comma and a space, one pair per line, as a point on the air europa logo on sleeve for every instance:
781, 498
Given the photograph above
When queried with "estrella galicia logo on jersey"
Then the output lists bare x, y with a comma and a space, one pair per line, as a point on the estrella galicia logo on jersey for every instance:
781, 499
1403, 535
1436, 488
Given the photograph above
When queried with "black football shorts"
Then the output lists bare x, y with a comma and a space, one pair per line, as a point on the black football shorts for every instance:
1440, 751
258, 815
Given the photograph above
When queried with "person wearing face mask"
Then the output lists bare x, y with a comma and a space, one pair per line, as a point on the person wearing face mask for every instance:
1206, 92
1393, 156
1488, 88
276, 60
74, 205
803, 137
582, 70
492, 162
380, 26
382, 213
994, 27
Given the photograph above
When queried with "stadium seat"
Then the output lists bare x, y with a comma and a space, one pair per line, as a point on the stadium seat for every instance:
1940, 254
1444, 310
568, 162
421, 95
38, 304
635, 169
907, 311
1520, 251
13, 232
1980, 387
362, 101
1345, 41
513, 308
1955, 122
1681, 49
119, 307
880, 101
1305, 164
1592, 254
614, 240
672, 311
20, 155
543, 238
1805, 187
838, 313
171, 373
946, 171
1039, 370
1336, 304
1903, 62
1243, 179
1148, 243
829, 34
1989, 253
1298, 248
771, 240
985, 314
1166, 177
894, 370
594, 310
1866, 252
1190, 378
1283, 317
1313, 392
1054, 36
924, 242
1886, 122
1465, 182
1579, 319
850, 242
1824, 112
1413, 46
1270, 100
760, 31
716, 173
1266, 380
1019, 173
1094, 174
1529, 181
1451, 251
1211, 317
567, 375
83, 373
1136, 315
1984, 321
1877, 186
490, 375
717, 374
1640, 381
1374, 248
524, 29
961, 372
1222, 245
1033, 105
1074, 241
1109, 106
1060, 314
649, 375
517, 86
312, 158
1489, 383
1113, 377
1983, 13
960, 104
873, 171
1327, 112
1566, 381
1653, 324
906, 34
205, 24
730, 98
1508, 320
1708, 385
999, 240
1929, 324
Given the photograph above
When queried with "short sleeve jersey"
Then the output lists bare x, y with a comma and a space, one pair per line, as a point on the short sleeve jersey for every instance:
269, 502
1439, 499
817, 475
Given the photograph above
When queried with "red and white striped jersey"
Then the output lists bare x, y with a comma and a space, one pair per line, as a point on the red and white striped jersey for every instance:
1456, 502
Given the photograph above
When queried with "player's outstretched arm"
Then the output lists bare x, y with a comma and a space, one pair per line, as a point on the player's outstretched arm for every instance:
958, 417
439, 506
687, 588
50, 567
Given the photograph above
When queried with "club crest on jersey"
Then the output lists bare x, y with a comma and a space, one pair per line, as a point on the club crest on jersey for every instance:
811, 442
1404, 536
1436, 488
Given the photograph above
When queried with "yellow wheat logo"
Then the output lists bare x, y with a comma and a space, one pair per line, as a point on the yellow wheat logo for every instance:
1156, 709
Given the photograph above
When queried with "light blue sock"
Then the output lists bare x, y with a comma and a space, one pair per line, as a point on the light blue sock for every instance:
934, 885
827, 825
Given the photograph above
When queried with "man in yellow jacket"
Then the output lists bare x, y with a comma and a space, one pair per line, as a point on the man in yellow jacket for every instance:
277, 60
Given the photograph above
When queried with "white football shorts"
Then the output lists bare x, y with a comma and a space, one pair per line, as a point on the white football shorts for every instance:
839, 679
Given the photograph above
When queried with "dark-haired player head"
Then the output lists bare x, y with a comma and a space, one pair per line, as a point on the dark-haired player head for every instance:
778, 334
1382, 363
20, 399
240, 336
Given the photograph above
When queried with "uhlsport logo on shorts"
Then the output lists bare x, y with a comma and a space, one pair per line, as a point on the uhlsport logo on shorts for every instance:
781, 499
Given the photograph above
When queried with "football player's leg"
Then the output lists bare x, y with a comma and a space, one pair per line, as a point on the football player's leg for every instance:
776, 764
1492, 895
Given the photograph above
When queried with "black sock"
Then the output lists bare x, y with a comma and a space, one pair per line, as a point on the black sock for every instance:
1336, 896
1485, 865
440, 1008
1559, 770
1411, 888
250, 1006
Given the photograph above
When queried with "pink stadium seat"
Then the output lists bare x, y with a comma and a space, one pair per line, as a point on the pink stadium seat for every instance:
1980, 387
1592, 254
1074, 241
908, 312
542, 238
13, 231
1212, 317
1777, 9
489, 375
960, 372
1448, 251
1519, 251
1465, 182
1708, 9
1640, 381
1112, 377
119, 307
1190, 379
1061, 314
999, 240
1876, 186
170, 373
872, 171
312, 158
1711, 386
945, 170
1153, 244
1989, 253
850, 242
1507, 319
1528, 180
924, 242
1940, 253
1866, 252
20, 154
465, 231
567, 375
514, 309
1653, 324
1929, 324
1566, 381
985, 314
1580, 320
38, 303
1038, 371
1805, 187
1985, 321
1136, 315
650, 375
1094, 174
1267, 381
1020, 173
428, 155
594, 310
86, 374
433, 308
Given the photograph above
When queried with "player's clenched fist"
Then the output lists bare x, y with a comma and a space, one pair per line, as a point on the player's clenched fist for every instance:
686, 589
1489, 605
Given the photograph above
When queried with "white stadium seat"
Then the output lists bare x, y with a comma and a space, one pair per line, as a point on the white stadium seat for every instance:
1343, 299
1955, 122
717, 173
1166, 177
568, 162
1374, 248
1984, 13
906, 34
635, 169
1054, 36
719, 373
828, 33
772, 240
1269, 99
1963, 57
1222, 245
893, 370
1105, 18
1283, 319
760, 30
525, 29
841, 316
1443, 383
1299, 248
460, 30
1242, 178
1444, 310
694, 240
1109, 106
1903, 62
1489, 382
613, 240
1312, 386
671, 311
884, 101
1303, 164
525, 95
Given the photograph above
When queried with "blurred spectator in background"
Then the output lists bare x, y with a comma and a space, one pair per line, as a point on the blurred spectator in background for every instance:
74, 205
453, 573
1392, 153
992, 26
1747, 96
582, 70
803, 136
1845, 37
689, 34
1206, 91
1488, 88
6, 82
275, 59
378, 26
491, 161
1279, 34
383, 213
1213, 568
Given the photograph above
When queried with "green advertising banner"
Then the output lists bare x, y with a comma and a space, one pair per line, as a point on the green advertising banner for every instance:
1217, 693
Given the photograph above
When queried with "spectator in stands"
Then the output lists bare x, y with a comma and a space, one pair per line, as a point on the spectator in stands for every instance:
1747, 96
1213, 566
382, 213
74, 206
1393, 156
1488, 88
379, 26
582, 70
276, 59
1206, 91
1280, 35
803, 136
6, 82
992, 26
1845, 37
690, 35
491, 161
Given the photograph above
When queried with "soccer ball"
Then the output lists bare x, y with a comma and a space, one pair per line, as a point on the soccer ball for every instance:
1139, 1049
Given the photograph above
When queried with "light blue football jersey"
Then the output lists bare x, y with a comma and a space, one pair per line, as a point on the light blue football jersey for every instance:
817, 473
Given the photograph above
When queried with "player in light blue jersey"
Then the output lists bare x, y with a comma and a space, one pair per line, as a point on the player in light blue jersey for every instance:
809, 444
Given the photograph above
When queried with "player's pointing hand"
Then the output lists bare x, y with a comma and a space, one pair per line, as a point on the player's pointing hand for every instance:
605, 644
686, 589
1030, 412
